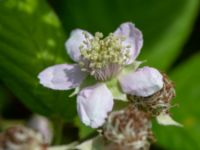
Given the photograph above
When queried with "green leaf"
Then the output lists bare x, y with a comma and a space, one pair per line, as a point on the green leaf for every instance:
186, 77
4, 99
31, 38
165, 24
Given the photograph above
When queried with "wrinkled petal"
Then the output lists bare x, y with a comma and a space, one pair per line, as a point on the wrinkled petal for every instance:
143, 82
62, 77
93, 104
165, 119
134, 39
74, 42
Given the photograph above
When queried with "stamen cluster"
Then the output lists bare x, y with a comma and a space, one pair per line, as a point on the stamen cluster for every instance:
103, 57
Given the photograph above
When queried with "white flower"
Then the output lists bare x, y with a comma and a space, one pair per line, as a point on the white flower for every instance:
105, 60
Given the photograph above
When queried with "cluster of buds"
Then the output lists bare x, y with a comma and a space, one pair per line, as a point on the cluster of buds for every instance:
21, 138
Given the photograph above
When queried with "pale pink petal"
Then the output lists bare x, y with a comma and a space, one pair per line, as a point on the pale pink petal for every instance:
134, 39
62, 77
93, 104
74, 42
143, 82
42, 125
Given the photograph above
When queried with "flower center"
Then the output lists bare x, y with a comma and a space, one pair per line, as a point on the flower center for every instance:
102, 57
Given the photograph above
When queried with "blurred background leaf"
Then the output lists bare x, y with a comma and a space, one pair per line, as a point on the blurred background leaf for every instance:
165, 24
31, 38
186, 77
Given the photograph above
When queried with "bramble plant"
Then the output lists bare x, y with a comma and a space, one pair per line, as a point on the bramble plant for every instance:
99, 86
